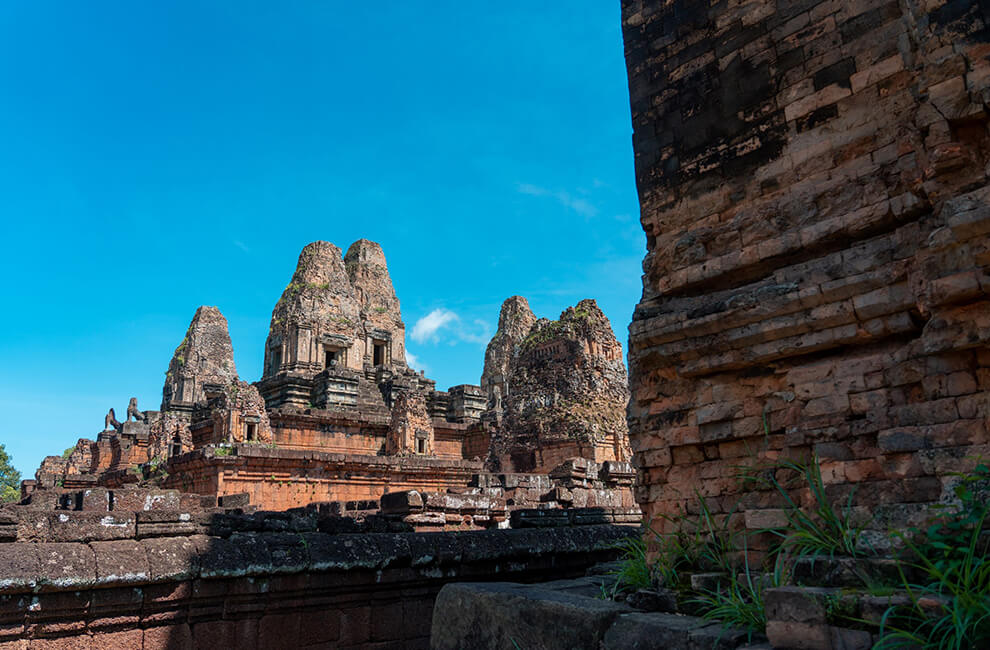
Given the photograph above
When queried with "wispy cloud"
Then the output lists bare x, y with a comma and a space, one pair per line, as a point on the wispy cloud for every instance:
427, 327
566, 199
414, 362
442, 323
242, 246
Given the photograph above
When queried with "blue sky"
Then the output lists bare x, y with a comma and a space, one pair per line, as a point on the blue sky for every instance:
160, 156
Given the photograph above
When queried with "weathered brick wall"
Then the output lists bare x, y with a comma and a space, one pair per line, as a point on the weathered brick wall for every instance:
812, 178
278, 479
267, 590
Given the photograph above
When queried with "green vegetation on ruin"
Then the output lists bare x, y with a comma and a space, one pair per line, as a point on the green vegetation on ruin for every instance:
944, 566
180, 352
10, 479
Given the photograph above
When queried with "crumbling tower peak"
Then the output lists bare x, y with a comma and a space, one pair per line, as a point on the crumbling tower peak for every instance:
338, 319
566, 394
203, 360
365, 251
515, 320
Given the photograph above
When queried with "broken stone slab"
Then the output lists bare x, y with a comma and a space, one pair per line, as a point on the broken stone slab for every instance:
401, 503
641, 631
426, 519
555, 615
538, 518
591, 586
617, 472
239, 500
507, 615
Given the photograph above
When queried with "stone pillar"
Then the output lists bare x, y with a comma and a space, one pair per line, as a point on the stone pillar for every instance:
813, 189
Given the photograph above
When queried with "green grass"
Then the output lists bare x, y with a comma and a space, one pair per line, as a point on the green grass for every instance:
634, 571
951, 611
739, 602
824, 529
950, 607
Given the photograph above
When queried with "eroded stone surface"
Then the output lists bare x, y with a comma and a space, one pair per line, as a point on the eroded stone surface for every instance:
515, 320
812, 181
410, 429
204, 359
567, 394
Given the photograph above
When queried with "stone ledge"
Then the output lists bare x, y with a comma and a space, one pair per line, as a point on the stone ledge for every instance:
561, 615
73, 566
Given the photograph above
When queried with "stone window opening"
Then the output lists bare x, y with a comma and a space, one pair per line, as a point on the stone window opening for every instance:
378, 353
331, 357
420, 446
252, 431
176, 446
276, 359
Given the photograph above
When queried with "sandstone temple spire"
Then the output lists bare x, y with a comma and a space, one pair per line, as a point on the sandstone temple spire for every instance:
203, 362
336, 332
557, 389
514, 322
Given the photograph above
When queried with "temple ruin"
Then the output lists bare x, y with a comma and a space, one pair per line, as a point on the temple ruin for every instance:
338, 416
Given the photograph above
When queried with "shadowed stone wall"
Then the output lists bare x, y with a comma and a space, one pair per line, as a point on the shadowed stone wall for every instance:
283, 588
812, 181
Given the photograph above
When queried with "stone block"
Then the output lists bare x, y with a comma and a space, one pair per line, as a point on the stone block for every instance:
91, 526
175, 558
240, 500
486, 615
401, 503
120, 562
143, 499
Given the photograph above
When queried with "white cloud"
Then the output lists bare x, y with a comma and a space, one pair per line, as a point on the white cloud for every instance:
578, 205
426, 328
443, 323
242, 246
414, 362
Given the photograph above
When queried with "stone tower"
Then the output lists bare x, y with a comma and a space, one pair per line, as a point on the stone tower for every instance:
514, 322
566, 394
316, 322
202, 364
382, 329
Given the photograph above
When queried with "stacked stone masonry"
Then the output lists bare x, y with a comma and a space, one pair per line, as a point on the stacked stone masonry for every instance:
813, 186
161, 569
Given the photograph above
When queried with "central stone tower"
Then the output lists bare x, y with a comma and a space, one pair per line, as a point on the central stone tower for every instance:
336, 334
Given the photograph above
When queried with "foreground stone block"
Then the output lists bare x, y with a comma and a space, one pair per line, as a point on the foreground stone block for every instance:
508, 615
563, 614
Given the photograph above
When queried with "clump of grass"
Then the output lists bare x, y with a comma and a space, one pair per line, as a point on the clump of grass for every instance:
950, 608
739, 602
825, 529
634, 571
